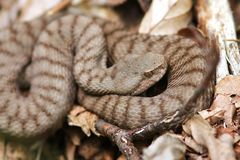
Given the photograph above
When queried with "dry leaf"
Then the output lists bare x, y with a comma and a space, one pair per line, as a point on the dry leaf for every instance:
226, 101
74, 138
166, 17
98, 11
9, 13
165, 147
192, 156
15, 151
222, 130
99, 2
122, 157
195, 146
90, 147
104, 155
230, 85
35, 8
70, 150
81, 118
221, 109
204, 134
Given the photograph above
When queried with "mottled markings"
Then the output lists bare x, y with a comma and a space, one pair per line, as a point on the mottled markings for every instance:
188, 84
113, 73
194, 70
60, 24
160, 102
73, 25
188, 60
105, 104
48, 32
152, 101
173, 53
146, 39
126, 113
114, 45
55, 48
30, 31
150, 43
53, 62
15, 117
89, 81
16, 41
105, 75
175, 97
41, 108
83, 71
88, 42
83, 31
43, 23
190, 47
177, 58
113, 31
4, 106
24, 121
115, 106
131, 45
143, 110
2, 64
49, 88
89, 48
48, 75
2, 90
48, 99
6, 52
12, 29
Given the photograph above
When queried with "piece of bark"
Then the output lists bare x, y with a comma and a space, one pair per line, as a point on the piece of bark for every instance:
215, 19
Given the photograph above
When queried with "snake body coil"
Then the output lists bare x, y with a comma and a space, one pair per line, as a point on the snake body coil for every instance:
51, 49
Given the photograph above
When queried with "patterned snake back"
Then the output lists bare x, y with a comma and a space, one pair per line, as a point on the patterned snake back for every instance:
80, 45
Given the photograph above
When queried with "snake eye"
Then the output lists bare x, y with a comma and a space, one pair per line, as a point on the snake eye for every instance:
148, 73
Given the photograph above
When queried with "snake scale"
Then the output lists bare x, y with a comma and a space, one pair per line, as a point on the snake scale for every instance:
55, 53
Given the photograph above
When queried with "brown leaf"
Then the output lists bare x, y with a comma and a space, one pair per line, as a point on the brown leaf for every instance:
204, 134
91, 147
166, 17
100, 2
81, 118
230, 85
226, 101
35, 8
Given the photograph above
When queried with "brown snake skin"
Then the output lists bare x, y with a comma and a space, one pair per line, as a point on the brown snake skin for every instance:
51, 49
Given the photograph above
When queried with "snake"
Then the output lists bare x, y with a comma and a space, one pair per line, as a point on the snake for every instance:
48, 63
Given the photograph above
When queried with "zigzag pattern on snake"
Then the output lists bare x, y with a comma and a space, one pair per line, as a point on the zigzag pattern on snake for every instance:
51, 49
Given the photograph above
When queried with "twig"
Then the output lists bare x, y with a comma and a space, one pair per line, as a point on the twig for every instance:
121, 137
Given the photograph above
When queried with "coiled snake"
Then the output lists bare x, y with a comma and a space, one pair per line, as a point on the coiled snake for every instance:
75, 47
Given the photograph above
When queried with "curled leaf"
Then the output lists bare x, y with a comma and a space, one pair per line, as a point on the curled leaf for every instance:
84, 119
166, 17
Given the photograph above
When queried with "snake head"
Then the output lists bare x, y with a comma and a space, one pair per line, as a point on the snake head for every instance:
136, 73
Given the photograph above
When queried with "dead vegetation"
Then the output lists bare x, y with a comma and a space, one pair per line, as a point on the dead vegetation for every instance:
213, 134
